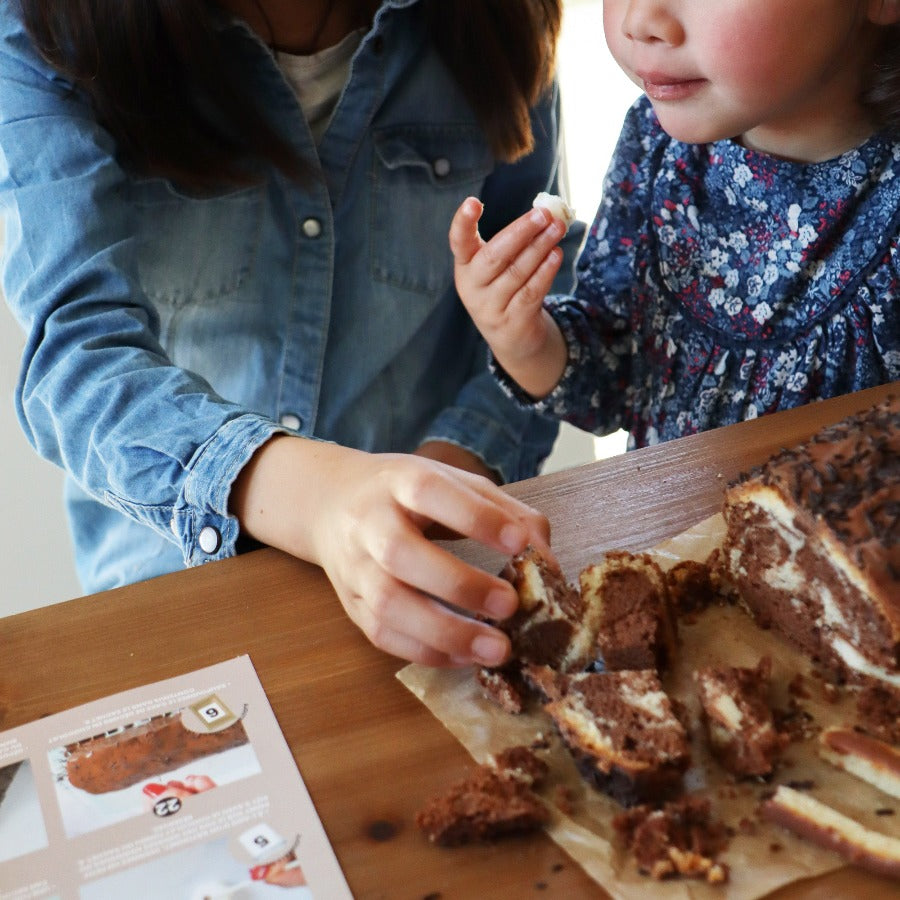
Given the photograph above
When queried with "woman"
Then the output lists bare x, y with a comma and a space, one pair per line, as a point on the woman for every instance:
243, 306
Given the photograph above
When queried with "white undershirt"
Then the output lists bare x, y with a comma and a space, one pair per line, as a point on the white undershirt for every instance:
318, 79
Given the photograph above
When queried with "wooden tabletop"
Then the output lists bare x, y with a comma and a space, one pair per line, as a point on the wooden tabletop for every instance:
368, 751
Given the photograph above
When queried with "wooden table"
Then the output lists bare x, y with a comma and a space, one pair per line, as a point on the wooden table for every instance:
369, 752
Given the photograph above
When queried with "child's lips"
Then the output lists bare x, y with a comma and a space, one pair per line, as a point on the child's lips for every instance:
662, 86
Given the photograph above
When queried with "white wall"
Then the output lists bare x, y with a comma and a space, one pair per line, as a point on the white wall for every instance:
36, 565
595, 96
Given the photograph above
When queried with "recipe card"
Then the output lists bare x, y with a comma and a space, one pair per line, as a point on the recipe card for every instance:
185, 788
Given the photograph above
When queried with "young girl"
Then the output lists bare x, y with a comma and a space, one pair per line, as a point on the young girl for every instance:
225, 239
746, 254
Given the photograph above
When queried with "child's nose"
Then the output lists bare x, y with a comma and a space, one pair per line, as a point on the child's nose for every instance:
652, 21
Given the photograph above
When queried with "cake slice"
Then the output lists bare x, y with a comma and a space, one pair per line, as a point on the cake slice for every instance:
737, 717
553, 626
878, 708
636, 626
496, 799
813, 545
622, 732
825, 826
693, 587
680, 839
865, 757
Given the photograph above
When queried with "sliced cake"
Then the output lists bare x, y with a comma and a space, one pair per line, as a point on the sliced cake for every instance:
738, 719
680, 839
813, 545
494, 800
636, 627
622, 732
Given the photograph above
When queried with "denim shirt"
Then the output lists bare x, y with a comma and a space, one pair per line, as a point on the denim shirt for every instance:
170, 335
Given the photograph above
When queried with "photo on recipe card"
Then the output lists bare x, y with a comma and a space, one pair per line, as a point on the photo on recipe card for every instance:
156, 765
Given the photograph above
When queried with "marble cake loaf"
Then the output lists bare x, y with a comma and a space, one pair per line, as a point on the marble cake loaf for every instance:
124, 757
813, 545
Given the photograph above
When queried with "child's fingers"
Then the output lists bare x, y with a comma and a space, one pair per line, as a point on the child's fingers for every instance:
538, 256
507, 248
405, 622
465, 241
531, 292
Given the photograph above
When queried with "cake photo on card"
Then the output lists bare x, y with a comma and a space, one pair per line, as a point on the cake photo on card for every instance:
149, 766
126, 756
812, 545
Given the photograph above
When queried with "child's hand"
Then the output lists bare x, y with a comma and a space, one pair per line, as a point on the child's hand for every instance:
503, 282
362, 517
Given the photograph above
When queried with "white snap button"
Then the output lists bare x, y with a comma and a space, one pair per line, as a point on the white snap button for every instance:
291, 420
312, 228
441, 167
209, 539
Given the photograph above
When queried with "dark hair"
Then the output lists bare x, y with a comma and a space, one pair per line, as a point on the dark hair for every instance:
883, 93
159, 81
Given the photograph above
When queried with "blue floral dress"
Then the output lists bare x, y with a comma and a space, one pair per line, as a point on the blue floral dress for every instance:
718, 284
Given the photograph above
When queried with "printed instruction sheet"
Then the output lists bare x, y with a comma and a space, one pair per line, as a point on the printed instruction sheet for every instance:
181, 789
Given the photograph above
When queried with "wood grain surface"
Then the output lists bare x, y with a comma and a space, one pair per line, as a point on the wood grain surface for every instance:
369, 752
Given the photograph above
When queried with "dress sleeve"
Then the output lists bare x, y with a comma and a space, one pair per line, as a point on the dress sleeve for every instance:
599, 320
511, 438
96, 393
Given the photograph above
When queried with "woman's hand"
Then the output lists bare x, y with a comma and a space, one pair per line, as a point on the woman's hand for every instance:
362, 517
502, 284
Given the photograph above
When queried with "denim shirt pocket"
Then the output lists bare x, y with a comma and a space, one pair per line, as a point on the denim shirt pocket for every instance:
421, 175
194, 250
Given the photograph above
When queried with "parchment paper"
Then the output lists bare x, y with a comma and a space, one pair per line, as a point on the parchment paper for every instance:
761, 857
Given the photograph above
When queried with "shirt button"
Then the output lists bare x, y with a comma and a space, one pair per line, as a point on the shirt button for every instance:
441, 167
209, 539
291, 420
311, 227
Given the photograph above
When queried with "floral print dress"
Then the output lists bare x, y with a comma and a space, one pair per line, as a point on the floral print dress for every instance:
718, 284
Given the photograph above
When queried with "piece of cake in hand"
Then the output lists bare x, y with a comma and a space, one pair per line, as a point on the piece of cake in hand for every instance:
554, 624
495, 800
738, 719
622, 732
556, 206
812, 545
636, 627
680, 839
825, 826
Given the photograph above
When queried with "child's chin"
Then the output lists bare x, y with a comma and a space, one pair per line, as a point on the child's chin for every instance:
690, 132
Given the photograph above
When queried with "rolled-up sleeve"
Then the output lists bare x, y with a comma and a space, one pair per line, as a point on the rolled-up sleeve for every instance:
96, 393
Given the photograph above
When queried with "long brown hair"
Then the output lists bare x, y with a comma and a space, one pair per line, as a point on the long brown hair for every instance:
883, 93
159, 80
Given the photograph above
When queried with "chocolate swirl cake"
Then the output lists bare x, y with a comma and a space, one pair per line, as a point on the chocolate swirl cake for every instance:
813, 545
125, 756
